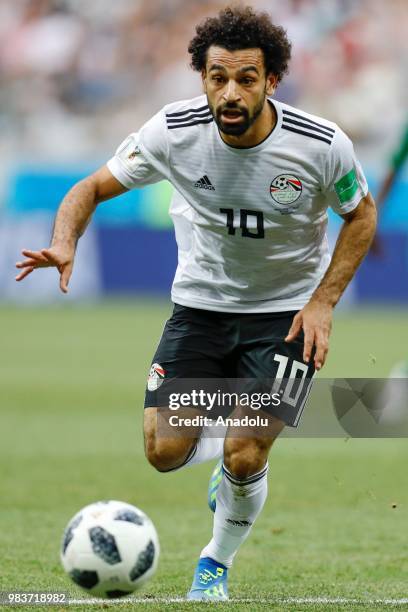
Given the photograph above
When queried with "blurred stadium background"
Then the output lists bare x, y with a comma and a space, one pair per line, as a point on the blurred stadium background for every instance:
77, 77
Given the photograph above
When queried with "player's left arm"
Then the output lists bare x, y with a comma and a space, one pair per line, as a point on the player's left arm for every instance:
352, 245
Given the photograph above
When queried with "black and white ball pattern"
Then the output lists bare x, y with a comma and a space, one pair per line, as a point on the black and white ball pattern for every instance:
110, 549
281, 182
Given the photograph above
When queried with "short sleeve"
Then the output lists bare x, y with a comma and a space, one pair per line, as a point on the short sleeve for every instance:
344, 181
142, 158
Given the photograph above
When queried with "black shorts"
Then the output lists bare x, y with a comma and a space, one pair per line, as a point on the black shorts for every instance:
250, 348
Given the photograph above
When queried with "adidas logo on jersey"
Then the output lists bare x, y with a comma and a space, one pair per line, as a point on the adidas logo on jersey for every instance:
205, 183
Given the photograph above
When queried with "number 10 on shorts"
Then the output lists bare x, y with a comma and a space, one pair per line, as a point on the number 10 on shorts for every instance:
288, 380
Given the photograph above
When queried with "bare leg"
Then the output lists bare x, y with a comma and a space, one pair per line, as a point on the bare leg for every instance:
167, 452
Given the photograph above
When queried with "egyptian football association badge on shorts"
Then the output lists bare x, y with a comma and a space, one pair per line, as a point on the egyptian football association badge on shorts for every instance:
286, 190
156, 377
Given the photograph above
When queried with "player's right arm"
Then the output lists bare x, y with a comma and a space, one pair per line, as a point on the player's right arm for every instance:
73, 216
141, 159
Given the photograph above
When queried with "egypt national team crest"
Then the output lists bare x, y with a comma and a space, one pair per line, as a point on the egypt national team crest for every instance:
286, 190
156, 376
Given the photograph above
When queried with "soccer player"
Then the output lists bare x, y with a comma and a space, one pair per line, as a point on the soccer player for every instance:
254, 290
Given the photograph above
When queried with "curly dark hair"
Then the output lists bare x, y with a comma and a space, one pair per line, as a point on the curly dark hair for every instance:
237, 28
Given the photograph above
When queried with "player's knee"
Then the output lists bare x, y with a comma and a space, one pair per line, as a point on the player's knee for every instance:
165, 454
244, 458
162, 453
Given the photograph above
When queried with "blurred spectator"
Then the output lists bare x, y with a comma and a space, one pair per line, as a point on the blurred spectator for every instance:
76, 76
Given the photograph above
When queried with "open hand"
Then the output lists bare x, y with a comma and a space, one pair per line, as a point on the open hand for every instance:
56, 256
316, 320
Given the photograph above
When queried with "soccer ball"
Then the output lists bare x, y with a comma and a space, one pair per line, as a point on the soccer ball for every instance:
110, 549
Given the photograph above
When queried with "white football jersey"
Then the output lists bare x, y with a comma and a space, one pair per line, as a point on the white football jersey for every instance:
250, 223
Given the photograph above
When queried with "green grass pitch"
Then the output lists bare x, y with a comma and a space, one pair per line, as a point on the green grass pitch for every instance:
71, 397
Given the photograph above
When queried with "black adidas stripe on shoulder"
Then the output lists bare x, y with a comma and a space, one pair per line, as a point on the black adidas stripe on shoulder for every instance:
189, 117
307, 120
310, 134
188, 111
190, 123
308, 126
205, 115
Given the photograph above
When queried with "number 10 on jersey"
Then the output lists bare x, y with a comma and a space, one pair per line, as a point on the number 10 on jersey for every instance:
244, 214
